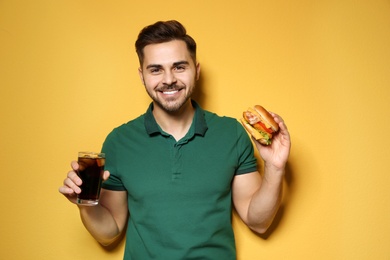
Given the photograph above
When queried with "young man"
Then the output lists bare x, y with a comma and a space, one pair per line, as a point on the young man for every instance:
174, 173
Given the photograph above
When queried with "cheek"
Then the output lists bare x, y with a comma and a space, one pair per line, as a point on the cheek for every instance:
186, 79
151, 82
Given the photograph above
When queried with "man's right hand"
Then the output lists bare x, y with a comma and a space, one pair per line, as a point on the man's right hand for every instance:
72, 183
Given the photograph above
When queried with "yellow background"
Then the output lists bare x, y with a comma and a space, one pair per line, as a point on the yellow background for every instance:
68, 75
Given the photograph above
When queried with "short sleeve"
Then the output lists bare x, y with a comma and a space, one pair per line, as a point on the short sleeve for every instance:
109, 148
247, 161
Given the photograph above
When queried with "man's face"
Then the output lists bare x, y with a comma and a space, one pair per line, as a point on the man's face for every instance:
169, 74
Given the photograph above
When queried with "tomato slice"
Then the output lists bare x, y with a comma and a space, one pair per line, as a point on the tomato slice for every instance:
268, 130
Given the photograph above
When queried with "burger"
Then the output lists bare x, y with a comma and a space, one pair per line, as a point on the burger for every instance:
260, 124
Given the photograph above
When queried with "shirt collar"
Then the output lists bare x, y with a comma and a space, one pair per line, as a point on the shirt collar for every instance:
198, 126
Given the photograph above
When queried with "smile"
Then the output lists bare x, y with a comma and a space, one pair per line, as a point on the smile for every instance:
170, 92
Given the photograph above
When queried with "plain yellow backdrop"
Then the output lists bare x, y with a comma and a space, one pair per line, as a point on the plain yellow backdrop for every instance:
68, 76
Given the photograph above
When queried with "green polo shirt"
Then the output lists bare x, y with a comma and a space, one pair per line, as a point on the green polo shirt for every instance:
179, 192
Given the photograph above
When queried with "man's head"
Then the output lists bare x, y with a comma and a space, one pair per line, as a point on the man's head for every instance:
168, 66
161, 32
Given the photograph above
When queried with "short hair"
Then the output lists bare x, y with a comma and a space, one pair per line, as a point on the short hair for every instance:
164, 31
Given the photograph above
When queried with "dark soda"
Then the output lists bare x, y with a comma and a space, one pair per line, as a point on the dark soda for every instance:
91, 168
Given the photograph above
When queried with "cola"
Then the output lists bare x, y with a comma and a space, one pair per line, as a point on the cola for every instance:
91, 168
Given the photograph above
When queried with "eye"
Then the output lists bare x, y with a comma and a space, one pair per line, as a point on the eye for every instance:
155, 70
180, 68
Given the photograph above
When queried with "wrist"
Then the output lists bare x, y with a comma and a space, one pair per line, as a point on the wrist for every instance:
269, 167
273, 173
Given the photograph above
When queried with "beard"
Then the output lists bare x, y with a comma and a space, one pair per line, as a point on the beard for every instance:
171, 104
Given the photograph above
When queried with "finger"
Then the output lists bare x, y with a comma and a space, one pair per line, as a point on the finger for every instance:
284, 133
273, 114
71, 187
279, 120
66, 190
74, 165
283, 125
106, 175
276, 117
73, 176
68, 193
73, 181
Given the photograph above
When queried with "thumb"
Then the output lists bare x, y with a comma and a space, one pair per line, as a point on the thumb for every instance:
106, 175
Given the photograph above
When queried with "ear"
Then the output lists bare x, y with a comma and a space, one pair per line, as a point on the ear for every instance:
197, 71
141, 75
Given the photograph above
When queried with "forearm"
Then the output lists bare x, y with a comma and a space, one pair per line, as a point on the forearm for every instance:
100, 223
266, 200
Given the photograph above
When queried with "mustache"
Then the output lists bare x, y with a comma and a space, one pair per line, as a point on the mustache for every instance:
169, 87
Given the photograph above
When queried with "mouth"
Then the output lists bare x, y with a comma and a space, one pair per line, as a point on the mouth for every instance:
170, 92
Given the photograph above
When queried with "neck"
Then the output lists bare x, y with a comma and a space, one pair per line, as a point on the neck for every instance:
176, 123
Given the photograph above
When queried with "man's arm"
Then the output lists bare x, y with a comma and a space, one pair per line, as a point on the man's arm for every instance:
257, 198
105, 221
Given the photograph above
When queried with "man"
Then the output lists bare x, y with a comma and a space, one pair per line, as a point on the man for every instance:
174, 173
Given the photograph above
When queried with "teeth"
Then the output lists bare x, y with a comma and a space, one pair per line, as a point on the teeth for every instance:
170, 92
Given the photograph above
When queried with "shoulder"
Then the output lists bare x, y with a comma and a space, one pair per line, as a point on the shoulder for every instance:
215, 119
225, 124
133, 126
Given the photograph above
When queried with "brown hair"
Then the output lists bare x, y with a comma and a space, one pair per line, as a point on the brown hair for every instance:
161, 32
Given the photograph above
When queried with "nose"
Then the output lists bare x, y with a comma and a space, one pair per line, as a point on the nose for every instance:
169, 78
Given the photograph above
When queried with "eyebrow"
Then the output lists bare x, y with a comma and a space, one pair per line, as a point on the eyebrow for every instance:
175, 64
181, 63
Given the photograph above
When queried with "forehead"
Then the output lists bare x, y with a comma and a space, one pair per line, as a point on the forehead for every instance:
166, 53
